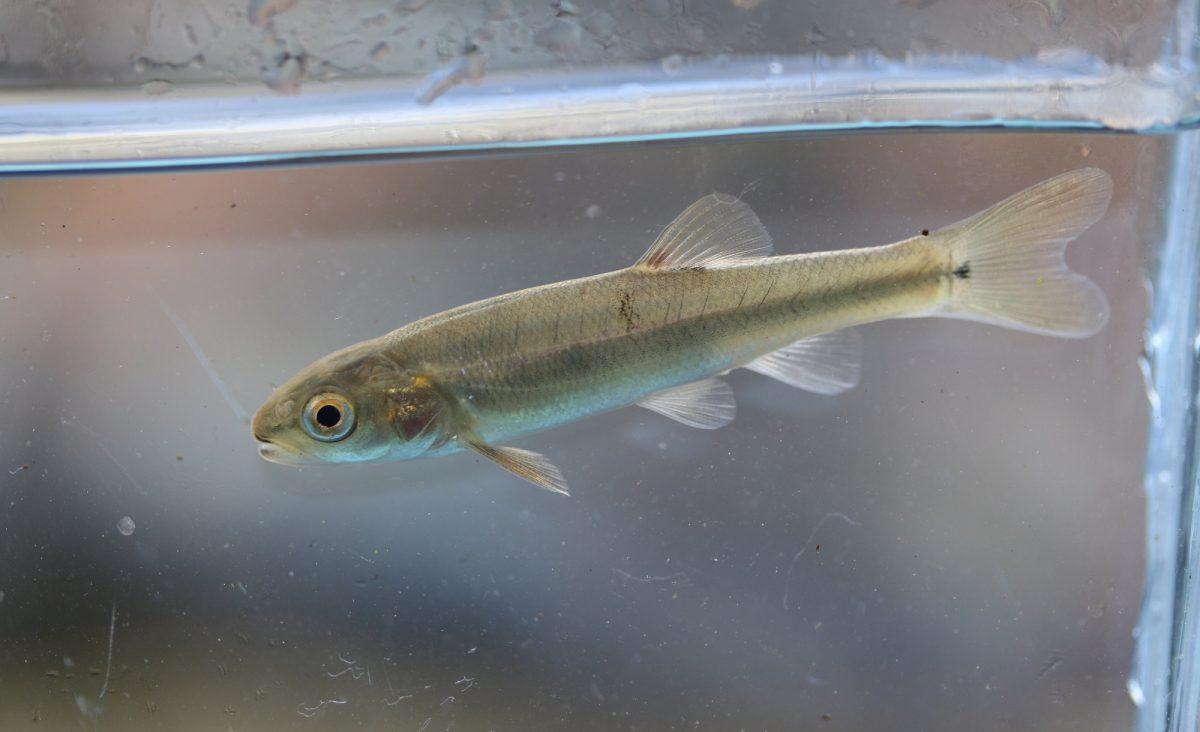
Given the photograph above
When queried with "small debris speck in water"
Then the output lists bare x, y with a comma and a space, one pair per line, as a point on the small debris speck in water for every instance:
126, 526
671, 64
592, 212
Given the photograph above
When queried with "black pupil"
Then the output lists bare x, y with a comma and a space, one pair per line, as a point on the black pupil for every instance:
328, 416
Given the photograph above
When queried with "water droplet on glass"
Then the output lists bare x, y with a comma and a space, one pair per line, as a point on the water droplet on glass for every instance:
469, 67
1136, 695
381, 51
560, 36
154, 87
260, 12
601, 24
633, 93
657, 8
285, 78
126, 526
498, 9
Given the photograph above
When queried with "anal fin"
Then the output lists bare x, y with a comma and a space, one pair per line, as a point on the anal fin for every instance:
829, 363
532, 466
707, 404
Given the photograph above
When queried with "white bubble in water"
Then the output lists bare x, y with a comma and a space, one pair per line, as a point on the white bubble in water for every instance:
592, 212
126, 526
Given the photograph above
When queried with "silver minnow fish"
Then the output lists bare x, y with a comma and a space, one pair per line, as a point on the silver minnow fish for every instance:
706, 298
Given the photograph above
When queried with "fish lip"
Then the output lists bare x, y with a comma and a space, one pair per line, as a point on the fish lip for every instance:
273, 454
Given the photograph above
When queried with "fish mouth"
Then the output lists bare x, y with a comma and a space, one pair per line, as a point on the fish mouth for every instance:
272, 453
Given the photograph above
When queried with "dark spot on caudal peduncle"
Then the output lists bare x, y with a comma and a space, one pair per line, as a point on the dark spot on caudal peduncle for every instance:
963, 271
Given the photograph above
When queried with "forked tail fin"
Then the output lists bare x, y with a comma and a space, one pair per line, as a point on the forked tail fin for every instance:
1008, 260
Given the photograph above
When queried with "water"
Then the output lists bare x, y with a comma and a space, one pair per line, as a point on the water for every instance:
955, 544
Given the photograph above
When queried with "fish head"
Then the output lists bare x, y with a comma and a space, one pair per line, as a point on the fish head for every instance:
354, 405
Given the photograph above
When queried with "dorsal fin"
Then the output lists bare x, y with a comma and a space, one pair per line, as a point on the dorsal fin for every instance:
716, 231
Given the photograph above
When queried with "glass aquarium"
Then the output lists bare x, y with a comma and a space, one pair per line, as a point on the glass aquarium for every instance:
991, 531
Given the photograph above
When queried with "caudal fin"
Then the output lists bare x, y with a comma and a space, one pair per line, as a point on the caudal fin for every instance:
1008, 260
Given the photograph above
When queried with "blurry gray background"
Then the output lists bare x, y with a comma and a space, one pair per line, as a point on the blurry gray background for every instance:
975, 500
286, 44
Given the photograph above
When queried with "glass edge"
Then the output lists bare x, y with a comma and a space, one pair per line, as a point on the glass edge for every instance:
62, 130
1162, 681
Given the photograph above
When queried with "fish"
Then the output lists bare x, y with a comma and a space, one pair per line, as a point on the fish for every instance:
706, 298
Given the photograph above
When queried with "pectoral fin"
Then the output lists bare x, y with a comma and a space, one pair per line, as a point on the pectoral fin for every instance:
707, 404
533, 467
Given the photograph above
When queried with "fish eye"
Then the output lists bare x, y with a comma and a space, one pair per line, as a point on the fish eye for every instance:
328, 417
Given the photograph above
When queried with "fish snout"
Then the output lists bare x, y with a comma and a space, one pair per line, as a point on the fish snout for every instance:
259, 426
